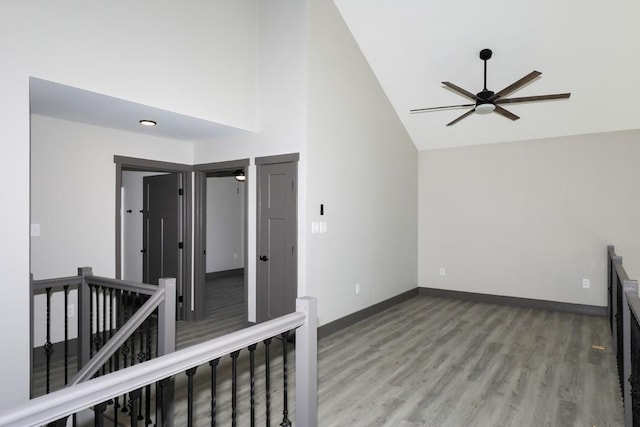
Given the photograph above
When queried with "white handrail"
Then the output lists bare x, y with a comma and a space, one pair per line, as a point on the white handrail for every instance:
62, 403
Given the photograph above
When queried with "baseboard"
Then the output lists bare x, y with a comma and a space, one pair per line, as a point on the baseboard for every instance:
40, 356
352, 318
226, 273
592, 310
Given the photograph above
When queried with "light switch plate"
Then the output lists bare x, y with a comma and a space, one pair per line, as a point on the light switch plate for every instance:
35, 230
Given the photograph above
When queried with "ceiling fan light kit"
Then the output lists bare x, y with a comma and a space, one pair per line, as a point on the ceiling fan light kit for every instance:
487, 101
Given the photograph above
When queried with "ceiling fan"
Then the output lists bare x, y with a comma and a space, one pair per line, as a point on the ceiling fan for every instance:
488, 101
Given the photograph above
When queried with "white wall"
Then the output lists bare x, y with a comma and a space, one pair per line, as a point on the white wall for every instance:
282, 62
73, 192
73, 199
198, 61
225, 224
14, 229
363, 167
530, 219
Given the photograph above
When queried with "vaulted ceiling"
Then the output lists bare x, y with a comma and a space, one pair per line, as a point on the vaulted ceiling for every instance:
590, 48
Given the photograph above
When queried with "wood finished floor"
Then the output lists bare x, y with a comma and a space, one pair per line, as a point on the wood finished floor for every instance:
442, 362
431, 362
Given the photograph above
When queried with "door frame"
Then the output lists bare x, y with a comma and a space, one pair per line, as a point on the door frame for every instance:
199, 227
293, 158
184, 282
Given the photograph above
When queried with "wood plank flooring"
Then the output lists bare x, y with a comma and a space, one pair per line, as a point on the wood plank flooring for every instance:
441, 362
430, 362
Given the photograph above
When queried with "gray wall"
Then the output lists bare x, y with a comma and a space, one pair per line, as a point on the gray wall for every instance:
530, 219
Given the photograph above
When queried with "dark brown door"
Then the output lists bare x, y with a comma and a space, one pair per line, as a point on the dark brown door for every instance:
161, 216
277, 275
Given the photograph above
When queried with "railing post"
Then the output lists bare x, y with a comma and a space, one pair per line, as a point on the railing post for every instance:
84, 301
627, 286
307, 364
166, 345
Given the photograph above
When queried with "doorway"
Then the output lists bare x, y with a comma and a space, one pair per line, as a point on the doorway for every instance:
277, 261
152, 224
220, 243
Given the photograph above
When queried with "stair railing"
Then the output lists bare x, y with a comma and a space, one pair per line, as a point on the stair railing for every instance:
624, 316
110, 315
94, 393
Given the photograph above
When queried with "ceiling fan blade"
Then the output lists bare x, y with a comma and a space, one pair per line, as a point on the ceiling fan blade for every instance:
505, 113
468, 113
461, 91
448, 107
517, 85
533, 98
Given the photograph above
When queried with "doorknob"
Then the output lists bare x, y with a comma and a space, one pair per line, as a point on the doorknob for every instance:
264, 258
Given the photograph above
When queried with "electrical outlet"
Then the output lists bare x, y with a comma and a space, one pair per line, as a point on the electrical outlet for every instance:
357, 288
442, 271
586, 283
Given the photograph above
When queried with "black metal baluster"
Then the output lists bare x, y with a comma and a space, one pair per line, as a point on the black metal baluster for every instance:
116, 355
66, 334
90, 321
104, 323
98, 416
161, 407
98, 336
234, 386
111, 327
252, 381
147, 407
285, 412
267, 381
48, 347
125, 345
190, 373
134, 396
214, 379
141, 358
635, 369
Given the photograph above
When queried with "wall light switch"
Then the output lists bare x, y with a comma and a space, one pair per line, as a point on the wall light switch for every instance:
315, 227
442, 271
586, 283
35, 230
323, 227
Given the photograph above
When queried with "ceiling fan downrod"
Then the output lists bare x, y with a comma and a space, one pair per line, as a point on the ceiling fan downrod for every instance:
485, 55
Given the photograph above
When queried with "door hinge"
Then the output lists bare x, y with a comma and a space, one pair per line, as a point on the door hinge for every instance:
180, 192
180, 245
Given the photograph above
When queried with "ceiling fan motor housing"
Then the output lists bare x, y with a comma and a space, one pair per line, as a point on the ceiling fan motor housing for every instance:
484, 96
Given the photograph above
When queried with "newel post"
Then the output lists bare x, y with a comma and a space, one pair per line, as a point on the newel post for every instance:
84, 310
307, 364
166, 345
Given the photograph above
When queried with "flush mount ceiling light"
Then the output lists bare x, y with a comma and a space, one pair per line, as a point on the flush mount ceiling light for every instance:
240, 176
147, 122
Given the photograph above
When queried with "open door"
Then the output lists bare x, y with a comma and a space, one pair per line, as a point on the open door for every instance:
277, 263
161, 229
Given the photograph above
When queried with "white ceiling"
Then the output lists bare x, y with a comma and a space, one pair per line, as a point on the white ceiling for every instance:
77, 105
590, 48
